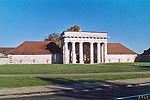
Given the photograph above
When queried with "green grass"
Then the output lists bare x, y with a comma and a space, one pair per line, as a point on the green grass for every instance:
68, 69
9, 82
77, 68
102, 78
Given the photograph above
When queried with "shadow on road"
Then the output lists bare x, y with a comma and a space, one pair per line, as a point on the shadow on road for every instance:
96, 90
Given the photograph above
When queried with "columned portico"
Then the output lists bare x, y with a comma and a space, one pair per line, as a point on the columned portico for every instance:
91, 47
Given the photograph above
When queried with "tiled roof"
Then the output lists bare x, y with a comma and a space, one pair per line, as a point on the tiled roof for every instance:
5, 50
117, 48
48, 47
31, 48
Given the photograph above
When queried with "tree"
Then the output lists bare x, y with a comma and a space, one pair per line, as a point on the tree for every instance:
146, 52
54, 37
75, 28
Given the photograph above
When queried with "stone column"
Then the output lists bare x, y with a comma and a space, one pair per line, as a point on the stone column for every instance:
98, 53
66, 53
73, 53
102, 53
91, 53
81, 52
105, 52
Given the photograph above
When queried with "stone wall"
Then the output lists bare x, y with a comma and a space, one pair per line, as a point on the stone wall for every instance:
120, 58
4, 60
30, 59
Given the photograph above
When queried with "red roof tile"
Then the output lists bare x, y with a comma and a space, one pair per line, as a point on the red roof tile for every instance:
117, 48
31, 48
36, 47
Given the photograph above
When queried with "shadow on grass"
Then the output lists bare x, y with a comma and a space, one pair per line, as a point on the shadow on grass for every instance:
65, 81
143, 67
95, 90
58, 81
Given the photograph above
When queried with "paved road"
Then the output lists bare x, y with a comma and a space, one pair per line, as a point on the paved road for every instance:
82, 74
98, 93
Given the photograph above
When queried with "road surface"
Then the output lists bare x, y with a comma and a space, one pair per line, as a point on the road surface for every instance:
98, 93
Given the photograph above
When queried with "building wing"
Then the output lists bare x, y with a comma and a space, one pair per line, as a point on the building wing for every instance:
31, 48
117, 48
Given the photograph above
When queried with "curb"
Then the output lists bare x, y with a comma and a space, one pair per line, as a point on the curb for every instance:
26, 94
31, 91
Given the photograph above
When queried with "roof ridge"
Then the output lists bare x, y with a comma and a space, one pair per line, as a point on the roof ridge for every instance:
37, 41
86, 31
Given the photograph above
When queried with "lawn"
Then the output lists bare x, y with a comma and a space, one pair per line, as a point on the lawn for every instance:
11, 82
76, 68
68, 69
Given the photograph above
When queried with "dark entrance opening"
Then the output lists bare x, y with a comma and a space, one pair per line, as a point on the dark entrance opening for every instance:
77, 52
86, 52
95, 52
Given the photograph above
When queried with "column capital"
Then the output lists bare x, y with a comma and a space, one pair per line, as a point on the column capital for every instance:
81, 42
66, 42
73, 42
91, 42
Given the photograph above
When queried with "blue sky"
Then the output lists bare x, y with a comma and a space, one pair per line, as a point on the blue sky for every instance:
126, 21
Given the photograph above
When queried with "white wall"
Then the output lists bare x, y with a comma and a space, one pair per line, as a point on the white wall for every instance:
47, 59
120, 58
30, 59
3, 61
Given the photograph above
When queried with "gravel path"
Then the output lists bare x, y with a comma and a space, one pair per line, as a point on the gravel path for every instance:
83, 74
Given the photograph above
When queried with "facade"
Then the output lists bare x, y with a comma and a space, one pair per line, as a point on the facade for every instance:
78, 47
84, 47
92, 47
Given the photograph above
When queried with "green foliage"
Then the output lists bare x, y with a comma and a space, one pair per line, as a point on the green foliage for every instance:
75, 28
54, 37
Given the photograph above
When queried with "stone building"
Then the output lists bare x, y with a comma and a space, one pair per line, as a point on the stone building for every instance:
35, 52
77, 47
